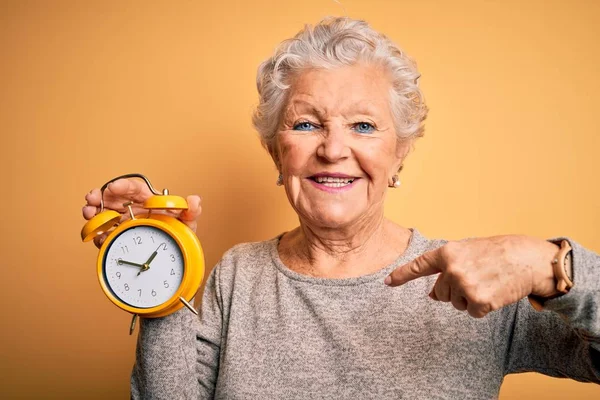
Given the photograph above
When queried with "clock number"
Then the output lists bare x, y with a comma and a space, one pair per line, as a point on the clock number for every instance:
125, 249
118, 275
126, 287
137, 240
140, 290
153, 293
172, 271
163, 245
172, 258
152, 237
166, 284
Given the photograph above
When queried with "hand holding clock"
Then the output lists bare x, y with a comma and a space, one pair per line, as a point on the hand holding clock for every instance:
153, 218
124, 190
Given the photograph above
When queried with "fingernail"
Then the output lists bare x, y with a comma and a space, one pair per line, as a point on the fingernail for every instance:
388, 280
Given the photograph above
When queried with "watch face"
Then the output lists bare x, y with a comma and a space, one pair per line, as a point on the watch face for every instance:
143, 266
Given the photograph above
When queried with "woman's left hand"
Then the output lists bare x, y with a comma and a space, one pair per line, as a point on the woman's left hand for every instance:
481, 275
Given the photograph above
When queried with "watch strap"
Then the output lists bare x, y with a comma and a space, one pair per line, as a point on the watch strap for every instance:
562, 268
560, 263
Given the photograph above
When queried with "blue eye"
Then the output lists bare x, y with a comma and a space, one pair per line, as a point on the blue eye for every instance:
304, 126
364, 127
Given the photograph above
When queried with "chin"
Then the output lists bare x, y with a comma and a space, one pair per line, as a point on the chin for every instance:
335, 217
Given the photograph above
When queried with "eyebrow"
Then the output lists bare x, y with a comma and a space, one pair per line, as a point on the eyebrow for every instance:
363, 108
305, 104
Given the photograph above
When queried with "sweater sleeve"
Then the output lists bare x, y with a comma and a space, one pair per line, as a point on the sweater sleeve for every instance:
563, 340
177, 356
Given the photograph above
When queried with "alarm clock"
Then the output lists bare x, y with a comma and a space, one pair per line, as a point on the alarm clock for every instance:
149, 265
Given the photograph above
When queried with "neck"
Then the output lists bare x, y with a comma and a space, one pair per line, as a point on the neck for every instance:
363, 248
342, 242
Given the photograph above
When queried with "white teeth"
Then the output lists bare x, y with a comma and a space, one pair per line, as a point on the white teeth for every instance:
335, 184
328, 180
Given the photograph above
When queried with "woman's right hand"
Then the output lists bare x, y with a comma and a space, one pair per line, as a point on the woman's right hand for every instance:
123, 190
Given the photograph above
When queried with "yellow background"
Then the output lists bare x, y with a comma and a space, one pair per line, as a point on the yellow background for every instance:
93, 89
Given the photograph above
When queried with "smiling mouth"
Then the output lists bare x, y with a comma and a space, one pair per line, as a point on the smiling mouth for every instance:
333, 182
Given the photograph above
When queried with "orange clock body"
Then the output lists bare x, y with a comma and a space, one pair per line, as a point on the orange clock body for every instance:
193, 261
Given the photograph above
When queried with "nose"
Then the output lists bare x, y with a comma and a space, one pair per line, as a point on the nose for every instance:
334, 146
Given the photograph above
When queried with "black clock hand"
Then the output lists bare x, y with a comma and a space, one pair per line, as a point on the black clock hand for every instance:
121, 262
147, 263
142, 267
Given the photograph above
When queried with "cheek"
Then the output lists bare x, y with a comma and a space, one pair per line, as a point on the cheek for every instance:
294, 156
376, 159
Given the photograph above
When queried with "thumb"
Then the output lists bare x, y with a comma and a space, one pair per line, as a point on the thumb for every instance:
426, 264
190, 216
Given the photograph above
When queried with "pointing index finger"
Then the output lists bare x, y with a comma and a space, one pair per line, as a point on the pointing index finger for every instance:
426, 264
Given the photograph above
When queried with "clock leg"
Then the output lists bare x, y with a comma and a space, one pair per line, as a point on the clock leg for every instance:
132, 326
188, 305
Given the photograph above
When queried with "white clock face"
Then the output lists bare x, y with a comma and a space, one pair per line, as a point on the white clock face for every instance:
143, 266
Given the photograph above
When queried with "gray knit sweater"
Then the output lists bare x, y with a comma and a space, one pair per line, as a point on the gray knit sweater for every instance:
266, 332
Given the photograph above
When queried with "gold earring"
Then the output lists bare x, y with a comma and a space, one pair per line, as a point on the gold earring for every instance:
279, 180
395, 182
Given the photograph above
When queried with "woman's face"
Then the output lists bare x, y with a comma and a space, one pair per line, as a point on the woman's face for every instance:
336, 146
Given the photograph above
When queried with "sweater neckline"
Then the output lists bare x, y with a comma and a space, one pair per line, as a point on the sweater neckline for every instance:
415, 242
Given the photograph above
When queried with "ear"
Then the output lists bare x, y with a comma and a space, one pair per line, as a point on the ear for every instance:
403, 147
273, 150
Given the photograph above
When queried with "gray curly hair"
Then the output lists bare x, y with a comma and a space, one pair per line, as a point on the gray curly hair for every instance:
335, 42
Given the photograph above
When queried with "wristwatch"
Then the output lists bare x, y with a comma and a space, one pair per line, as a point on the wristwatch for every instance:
563, 268
563, 274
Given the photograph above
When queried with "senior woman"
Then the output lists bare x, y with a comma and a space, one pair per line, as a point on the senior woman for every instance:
313, 313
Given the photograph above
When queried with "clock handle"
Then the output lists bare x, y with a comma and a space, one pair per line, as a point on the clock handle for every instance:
154, 191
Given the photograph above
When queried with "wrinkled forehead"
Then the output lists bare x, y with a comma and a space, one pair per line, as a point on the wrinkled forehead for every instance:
357, 89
